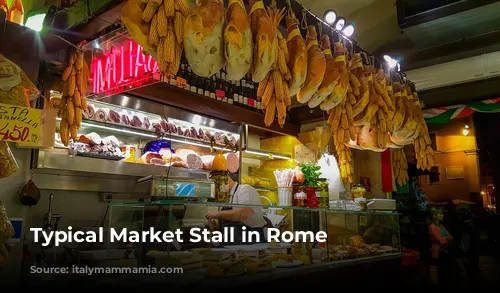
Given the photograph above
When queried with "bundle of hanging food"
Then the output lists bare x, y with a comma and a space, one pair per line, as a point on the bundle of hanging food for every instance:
73, 100
422, 144
158, 26
405, 122
274, 90
399, 166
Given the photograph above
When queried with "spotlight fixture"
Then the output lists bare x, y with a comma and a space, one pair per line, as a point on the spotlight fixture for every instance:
330, 16
340, 24
465, 132
348, 31
392, 62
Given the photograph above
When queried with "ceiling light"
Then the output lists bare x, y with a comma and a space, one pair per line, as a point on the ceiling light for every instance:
465, 132
330, 16
35, 22
340, 24
348, 30
387, 58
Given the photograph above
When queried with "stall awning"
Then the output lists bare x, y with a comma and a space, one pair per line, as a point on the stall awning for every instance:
444, 114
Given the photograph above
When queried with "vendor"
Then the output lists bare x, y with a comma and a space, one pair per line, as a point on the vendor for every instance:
250, 217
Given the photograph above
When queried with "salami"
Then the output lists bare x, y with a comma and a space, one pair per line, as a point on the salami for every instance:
164, 126
194, 161
207, 161
136, 121
114, 116
233, 162
126, 119
146, 124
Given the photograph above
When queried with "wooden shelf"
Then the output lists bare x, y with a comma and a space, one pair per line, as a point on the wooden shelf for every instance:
177, 97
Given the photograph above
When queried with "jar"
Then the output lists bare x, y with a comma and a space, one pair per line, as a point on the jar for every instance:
358, 190
299, 194
220, 179
322, 193
312, 200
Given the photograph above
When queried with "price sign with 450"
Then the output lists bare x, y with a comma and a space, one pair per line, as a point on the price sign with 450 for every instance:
19, 124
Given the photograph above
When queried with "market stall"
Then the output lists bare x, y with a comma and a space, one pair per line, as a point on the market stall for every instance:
157, 115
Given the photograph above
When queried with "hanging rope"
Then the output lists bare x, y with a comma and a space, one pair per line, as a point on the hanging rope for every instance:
303, 22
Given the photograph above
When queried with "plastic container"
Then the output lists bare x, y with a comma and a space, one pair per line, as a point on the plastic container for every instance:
312, 200
322, 193
285, 196
299, 194
358, 190
220, 179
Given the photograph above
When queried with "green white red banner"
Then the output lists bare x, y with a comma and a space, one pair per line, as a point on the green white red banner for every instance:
445, 114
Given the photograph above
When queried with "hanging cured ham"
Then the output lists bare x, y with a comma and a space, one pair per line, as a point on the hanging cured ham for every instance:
265, 41
238, 41
331, 77
203, 37
298, 54
316, 66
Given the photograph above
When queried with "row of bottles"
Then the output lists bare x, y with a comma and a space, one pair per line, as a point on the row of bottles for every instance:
241, 93
16, 11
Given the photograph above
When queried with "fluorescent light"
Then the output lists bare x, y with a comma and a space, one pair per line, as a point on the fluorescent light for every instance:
340, 24
35, 22
268, 155
348, 31
330, 16
194, 143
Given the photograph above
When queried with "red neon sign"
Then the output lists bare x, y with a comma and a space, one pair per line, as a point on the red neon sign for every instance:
122, 65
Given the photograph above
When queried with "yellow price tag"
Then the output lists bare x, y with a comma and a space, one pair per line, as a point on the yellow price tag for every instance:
363, 221
20, 124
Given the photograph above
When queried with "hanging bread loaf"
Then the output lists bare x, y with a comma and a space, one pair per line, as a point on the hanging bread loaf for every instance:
265, 41
316, 66
399, 166
330, 78
238, 41
204, 37
297, 63
73, 100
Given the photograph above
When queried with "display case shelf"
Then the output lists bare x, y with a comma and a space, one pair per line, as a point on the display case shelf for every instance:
221, 205
89, 125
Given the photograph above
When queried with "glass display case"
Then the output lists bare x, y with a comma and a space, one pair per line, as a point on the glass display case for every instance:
351, 238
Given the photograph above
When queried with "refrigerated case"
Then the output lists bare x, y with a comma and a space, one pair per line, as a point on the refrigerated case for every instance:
115, 163
352, 238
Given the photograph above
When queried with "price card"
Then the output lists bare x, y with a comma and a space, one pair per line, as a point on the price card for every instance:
181, 82
20, 124
220, 93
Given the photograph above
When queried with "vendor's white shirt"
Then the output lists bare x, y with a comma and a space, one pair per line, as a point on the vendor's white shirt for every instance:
246, 194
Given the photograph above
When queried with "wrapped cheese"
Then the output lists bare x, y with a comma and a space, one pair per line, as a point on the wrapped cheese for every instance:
339, 92
315, 68
265, 40
238, 41
298, 53
203, 37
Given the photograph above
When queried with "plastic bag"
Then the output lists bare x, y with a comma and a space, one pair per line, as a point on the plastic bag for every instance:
8, 164
6, 228
15, 89
15, 86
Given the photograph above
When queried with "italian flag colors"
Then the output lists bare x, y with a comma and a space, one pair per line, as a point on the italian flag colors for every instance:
444, 114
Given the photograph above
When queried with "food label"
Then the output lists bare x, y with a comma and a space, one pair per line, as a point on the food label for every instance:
9, 74
20, 124
220, 93
251, 102
181, 82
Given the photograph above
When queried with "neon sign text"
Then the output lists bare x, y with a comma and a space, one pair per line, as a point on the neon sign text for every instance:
121, 66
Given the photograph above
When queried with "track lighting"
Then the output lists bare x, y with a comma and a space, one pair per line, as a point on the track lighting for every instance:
330, 16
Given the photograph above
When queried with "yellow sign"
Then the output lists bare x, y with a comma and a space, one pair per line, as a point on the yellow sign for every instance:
20, 124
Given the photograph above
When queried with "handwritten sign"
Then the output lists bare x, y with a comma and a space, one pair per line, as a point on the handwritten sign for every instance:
20, 124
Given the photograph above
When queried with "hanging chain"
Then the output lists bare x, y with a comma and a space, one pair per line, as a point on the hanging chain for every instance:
320, 29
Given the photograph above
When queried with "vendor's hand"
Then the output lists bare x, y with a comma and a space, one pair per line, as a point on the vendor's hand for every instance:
213, 215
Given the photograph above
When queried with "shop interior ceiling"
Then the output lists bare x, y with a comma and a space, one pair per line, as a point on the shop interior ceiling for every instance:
418, 40
429, 32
